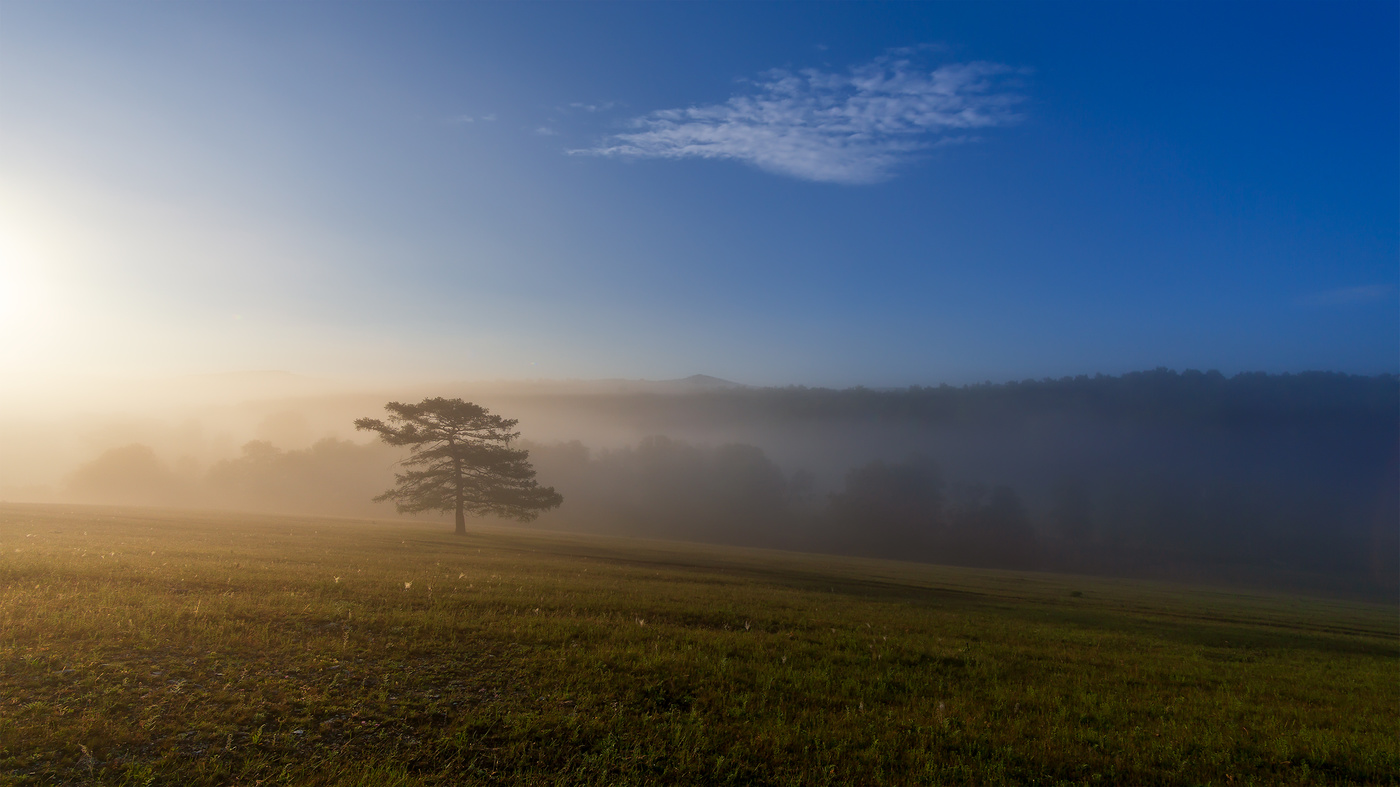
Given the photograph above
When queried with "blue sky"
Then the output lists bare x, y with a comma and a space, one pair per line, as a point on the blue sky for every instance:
824, 194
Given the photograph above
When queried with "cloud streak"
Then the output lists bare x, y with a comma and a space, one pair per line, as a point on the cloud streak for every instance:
1345, 296
855, 127
462, 119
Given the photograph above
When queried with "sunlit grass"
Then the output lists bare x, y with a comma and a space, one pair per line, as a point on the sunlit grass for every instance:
156, 647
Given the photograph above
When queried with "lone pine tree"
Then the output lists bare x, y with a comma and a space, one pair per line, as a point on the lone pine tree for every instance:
460, 460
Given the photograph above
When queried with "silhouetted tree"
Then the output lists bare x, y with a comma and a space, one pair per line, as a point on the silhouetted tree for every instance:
131, 474
322, 478
1071, 510
664, 487
894, 510
991, 528
461, 460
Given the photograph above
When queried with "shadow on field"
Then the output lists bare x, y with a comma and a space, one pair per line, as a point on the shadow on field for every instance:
1241, 622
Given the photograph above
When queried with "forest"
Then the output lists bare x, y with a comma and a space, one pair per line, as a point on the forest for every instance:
1279, 480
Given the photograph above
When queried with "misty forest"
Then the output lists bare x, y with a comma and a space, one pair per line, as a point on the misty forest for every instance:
1271, 480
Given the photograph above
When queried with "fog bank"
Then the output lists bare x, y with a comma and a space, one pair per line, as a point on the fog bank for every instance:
1275, 478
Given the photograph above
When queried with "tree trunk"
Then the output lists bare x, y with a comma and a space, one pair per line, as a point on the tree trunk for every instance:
461, 494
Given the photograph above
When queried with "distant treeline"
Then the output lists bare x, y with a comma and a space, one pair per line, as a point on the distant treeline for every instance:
1148, 472
1258, 477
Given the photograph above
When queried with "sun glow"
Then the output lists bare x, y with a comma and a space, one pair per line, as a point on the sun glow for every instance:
44, 313
26, 300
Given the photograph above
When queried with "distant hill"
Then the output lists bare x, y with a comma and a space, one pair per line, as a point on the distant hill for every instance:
703, 382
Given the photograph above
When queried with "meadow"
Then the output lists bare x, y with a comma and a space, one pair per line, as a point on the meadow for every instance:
141, 646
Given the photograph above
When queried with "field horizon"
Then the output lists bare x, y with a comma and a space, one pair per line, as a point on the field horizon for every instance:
1232, 580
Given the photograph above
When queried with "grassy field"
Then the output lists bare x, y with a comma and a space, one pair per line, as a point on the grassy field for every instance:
155, 647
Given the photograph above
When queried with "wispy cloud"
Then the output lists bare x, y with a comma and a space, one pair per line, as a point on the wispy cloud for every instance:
1344, 296
460, 119
853, 127
582, 107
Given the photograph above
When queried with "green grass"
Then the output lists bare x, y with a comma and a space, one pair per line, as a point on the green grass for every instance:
150, 647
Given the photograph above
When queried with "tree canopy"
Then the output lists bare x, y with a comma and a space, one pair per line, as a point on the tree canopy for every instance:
461, 460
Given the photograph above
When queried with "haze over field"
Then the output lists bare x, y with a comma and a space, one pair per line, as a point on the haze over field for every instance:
1274, 479
543, 207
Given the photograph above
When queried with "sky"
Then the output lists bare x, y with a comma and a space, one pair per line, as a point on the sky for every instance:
817, 194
